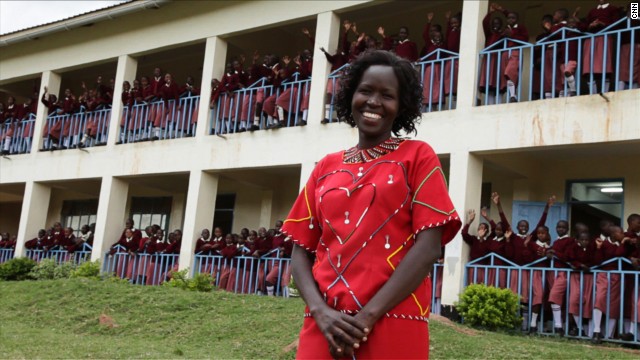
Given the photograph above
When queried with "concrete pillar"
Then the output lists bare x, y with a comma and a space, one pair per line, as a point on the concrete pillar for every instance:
471, 43
111, 215
127, 67
327, 36
305, 172
176, 217
215, 54
52, 81
33, 216
201, 204
465, 186
266, 207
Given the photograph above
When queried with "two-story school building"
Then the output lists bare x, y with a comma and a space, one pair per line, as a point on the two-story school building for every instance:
585, 149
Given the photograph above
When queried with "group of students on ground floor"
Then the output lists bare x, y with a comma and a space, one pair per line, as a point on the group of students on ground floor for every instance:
135, 247
577, 255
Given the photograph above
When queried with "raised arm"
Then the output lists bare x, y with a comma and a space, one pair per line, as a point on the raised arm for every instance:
496, 200
545, 212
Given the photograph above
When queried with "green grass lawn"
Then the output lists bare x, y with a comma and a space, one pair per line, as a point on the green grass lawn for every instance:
62, 319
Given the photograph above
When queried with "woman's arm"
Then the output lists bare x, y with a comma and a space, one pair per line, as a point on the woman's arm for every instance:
413, 269
338, 328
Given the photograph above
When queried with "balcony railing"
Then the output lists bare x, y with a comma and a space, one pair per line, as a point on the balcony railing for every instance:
6, 255
285, 106
439, 74
576, 291
67, 131
159, 120
140, 269
60, 256
18, 133
565, 63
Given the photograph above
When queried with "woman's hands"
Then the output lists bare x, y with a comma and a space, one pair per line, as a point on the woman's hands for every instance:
343, 332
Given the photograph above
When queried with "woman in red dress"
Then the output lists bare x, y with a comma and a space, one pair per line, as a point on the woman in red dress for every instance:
374, 217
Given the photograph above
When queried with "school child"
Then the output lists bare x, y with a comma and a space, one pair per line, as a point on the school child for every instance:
568, 54
631, 326
514, 30
38, 242
552, 72
597, 61
580, 255
10, 117
452, 44
539, 245
225, 108
190, 117
228, 254
295, 98
608, 246
405, 48
493, 32
629, 73
157, 80
166, 111
477, 247
127, 125
558, 252
431, 78
337, 60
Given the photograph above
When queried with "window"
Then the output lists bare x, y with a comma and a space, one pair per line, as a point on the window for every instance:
591, 201
147, 211
223, 215
76, 213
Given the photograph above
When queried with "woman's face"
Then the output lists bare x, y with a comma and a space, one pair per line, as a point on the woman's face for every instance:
375, 104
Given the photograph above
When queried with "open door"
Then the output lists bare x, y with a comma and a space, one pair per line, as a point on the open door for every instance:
532, 211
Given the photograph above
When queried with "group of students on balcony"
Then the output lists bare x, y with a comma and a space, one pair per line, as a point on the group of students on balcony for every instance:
577, 254
15, 121
62, 238
563, 53
136, 256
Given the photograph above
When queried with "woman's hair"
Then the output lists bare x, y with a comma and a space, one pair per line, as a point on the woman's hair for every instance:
409, 89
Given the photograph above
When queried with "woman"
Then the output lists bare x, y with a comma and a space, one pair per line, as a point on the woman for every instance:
375, 217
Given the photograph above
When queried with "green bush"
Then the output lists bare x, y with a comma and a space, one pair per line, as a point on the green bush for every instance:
48, 269
489, 307
17, 269
87, 269
200, 282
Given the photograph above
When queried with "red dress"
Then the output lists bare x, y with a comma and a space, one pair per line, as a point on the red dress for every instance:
354, 204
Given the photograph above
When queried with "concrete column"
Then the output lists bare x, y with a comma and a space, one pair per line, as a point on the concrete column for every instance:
305, 171
215, 55
266, 207
111, 214
201, 204
127, 67
33, 217
471, 42
327, 36
465, 186
52, 81
176, 217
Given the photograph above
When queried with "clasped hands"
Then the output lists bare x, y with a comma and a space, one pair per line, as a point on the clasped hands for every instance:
343, 332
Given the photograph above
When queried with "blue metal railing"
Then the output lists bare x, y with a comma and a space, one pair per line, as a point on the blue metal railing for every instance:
580, 292
436, 289
247, 274
140, 269
20, 140
60, 256
333, 86
239, 110
565, 63
6, 255
66, 131
439, 74
159, 121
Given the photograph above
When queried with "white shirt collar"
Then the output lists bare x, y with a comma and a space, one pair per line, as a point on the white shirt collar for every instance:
498, 239
403, 41
514, 26
603, 6
562, 237
602, 237
542, 244
522, 236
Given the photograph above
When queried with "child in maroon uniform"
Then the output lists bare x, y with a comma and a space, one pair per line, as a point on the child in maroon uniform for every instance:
431, 77
10, 118
166, 113
558, 252
539, 245
229, 252
453, 45
598, 59
514, 30
493, 33
580, 255
405, 48
38, 242
477, 246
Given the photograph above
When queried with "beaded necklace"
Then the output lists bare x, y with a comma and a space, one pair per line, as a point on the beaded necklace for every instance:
355, 155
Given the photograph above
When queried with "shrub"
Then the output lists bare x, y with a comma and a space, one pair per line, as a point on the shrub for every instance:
17, 269
48, 269
489, 307
87, 269
200, 282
